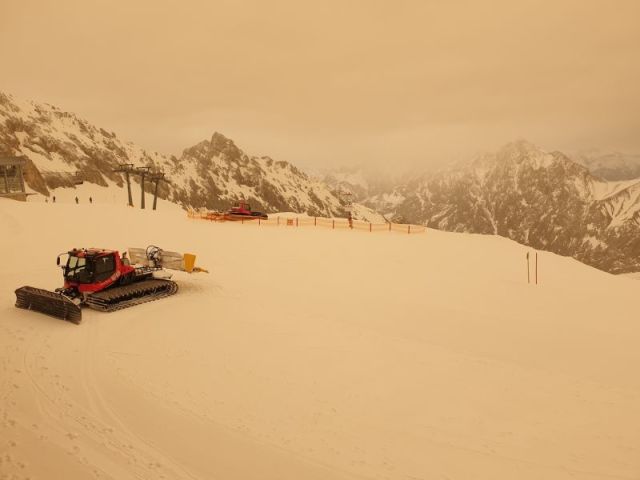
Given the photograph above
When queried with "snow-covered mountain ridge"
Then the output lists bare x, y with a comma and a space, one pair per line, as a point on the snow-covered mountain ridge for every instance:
212, 174
216, 172
538, 198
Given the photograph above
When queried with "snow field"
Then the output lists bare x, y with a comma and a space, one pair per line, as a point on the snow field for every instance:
310, 353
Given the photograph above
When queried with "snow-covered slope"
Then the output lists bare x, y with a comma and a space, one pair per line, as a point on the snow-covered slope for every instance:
317, 354
213, 174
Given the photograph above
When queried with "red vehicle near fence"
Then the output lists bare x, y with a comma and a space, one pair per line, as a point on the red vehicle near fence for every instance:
242, 211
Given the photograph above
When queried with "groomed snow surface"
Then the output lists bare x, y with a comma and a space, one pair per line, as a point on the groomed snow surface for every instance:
316, 354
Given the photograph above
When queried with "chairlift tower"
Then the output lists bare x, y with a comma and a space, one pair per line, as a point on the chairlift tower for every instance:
127, 169
143, 172
156, 178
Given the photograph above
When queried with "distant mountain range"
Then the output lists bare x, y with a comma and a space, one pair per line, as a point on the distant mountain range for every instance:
538, 198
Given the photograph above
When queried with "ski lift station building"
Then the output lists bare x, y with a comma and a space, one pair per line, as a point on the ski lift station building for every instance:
11, 178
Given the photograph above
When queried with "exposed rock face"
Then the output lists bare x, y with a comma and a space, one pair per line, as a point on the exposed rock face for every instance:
213, 174
57, 144
535, 198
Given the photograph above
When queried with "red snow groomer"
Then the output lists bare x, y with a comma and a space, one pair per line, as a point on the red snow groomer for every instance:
104, 280
242, 211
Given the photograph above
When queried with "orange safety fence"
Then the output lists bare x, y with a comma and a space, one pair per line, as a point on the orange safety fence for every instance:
323, 222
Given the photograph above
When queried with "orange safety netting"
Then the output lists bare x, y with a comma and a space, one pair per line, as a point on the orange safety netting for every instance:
332, 223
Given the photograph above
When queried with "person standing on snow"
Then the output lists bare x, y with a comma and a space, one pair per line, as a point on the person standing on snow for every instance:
76, 200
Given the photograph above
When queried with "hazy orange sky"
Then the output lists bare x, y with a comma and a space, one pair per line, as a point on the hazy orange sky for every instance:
335, 82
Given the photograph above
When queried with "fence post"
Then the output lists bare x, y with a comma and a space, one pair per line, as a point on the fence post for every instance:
333, 224
369, 226
536, 268
296, 221
278, 220
258, 221
389, 226
315, 221
408, 228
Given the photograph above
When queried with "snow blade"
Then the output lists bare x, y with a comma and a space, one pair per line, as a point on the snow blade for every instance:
49, 303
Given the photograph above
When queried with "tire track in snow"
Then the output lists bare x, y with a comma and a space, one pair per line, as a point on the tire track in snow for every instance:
154, 458
67, 420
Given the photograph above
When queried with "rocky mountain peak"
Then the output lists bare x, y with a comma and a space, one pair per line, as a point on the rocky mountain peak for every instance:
218, 146
523, 159
223, 146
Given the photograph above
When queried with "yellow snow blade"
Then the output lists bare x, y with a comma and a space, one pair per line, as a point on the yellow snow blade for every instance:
189, 261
